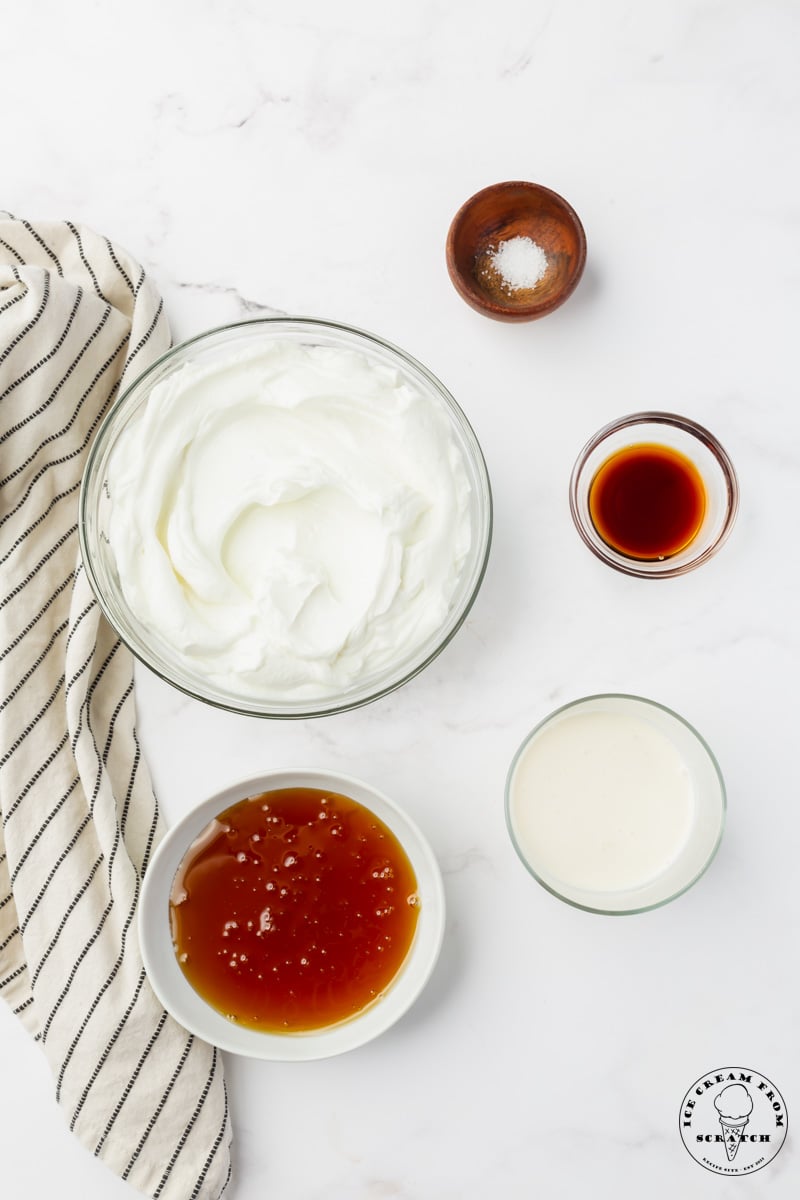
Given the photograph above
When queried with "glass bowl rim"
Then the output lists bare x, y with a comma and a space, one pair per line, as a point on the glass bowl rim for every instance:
313, 709
656, 417
636, 701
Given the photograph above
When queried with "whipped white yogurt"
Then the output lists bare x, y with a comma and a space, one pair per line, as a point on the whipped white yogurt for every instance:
289, 519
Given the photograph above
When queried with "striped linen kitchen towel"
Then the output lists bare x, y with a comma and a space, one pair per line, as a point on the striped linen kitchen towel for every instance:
78, 321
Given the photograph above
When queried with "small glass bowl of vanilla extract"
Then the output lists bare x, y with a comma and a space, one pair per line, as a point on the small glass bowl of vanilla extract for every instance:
654, 495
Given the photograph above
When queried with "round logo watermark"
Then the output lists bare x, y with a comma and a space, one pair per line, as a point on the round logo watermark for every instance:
733, 1121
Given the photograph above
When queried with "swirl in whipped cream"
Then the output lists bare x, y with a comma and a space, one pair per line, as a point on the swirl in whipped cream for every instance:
290, 519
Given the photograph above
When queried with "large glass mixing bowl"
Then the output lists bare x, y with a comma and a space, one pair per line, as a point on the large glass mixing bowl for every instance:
152, 648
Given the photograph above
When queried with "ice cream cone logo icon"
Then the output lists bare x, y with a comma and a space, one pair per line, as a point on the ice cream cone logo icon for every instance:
734, 1105
733, 1121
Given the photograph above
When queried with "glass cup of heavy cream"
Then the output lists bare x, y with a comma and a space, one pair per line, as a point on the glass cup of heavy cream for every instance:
615, 804
286, 517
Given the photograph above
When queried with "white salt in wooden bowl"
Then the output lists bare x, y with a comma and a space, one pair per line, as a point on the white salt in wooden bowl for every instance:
516, 251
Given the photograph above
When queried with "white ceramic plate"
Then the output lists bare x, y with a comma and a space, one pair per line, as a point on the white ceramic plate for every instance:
188, 1007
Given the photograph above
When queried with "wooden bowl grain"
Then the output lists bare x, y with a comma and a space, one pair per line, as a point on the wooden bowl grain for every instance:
495, 215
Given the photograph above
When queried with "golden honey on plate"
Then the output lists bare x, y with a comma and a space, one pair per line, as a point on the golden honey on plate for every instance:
293, 910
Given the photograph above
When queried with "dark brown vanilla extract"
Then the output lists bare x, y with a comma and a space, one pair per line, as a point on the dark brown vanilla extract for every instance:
293, 910
647, 501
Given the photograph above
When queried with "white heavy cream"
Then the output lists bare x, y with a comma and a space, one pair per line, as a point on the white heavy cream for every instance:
601, 803
289, 519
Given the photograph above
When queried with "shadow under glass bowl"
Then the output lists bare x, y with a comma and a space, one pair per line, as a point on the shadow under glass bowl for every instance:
95, 507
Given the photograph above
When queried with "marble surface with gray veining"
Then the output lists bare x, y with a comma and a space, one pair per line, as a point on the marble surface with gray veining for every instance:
307, 160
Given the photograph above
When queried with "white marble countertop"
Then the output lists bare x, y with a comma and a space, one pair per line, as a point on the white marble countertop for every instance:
309, 162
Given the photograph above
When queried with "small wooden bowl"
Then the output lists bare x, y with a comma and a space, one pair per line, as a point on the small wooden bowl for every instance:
495, 215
